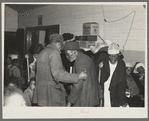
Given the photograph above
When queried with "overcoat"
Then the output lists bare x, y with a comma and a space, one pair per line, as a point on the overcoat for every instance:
50, 73
117, 86
84, 93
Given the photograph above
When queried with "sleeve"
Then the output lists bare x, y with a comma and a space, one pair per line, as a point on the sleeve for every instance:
122, 85
76, 90
58, 71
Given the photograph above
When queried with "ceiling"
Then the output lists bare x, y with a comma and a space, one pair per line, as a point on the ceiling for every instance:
23, 7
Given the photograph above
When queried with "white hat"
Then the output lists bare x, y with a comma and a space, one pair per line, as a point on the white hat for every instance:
113, 49
138, 65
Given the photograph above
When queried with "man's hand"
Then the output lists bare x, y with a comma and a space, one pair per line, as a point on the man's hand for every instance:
83, 75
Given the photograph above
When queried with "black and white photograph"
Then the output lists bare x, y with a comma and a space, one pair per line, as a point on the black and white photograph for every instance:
74, 60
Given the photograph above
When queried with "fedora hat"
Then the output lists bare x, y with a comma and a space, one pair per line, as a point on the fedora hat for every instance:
113, 49
71, 46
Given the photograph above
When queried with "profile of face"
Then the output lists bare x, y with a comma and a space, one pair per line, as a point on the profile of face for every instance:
113, 58
71, 55
59, 46
15, 100
32, 85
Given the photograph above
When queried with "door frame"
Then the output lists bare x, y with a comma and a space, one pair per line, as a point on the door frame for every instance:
38, 28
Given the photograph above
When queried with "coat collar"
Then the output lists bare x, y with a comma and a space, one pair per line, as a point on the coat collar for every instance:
107, 68
114, 81
78, 56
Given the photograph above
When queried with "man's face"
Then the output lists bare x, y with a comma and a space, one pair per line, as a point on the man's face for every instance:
113, 58
128, 70
71, 55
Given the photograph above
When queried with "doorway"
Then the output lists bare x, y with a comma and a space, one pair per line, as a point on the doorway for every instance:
39, 35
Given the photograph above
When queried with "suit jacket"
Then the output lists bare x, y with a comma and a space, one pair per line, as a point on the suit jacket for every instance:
84, 93
117, 86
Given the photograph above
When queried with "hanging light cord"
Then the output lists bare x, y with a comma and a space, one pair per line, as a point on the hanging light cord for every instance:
129, 30
119, 20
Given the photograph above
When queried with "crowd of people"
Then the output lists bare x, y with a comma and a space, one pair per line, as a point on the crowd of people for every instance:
64, 74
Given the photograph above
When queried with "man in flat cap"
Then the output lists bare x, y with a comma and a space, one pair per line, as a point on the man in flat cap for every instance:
84, 93
113, 78
49, 90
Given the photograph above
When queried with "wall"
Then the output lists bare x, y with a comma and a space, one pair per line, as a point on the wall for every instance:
129, 32
11, 19
72, 17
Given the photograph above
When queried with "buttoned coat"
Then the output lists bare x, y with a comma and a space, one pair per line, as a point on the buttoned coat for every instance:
49, 90
117, 86
84, 93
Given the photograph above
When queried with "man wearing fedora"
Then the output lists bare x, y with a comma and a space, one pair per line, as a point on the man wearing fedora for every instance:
49, 90
84, 93
113, 79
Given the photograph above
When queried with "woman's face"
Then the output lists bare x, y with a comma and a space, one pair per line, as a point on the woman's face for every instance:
141, 70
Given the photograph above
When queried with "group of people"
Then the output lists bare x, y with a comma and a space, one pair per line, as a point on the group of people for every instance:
63, 74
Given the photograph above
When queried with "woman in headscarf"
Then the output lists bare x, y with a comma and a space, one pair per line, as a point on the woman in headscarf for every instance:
138, 75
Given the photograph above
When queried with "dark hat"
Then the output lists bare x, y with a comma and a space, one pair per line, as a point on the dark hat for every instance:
56, 38
71, 46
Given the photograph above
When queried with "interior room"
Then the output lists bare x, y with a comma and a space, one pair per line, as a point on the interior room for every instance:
123, 24
91, 24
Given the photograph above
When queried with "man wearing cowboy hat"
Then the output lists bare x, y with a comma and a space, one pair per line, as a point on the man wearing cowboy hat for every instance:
84, 93
113, 79
49, 90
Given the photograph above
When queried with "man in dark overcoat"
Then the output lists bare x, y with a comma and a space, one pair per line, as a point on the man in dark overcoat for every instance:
113, 78
84, 93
